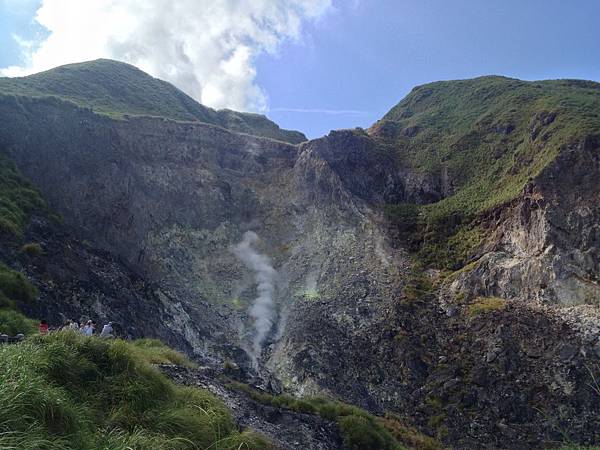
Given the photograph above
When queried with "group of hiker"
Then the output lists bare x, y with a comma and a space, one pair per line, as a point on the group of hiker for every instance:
87, 328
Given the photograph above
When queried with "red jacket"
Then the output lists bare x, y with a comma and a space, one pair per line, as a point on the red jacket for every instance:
43, 328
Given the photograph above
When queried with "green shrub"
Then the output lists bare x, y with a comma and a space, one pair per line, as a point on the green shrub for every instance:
404, 215
409, 436
358, 434
15, 286
119, 90
32, 249
66, 391
13, 322
418, 285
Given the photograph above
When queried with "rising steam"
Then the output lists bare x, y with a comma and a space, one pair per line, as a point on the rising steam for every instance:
263, 308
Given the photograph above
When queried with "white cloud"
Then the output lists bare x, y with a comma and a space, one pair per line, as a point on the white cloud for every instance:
207, 48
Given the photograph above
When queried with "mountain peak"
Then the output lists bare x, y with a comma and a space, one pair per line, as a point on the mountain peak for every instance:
117, 89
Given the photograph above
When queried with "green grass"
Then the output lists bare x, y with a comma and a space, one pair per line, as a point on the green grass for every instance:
491, 135
15, 287
66, 391
117, 89
154, 351
418, 285
12, 322
360, 430
409, 435
18, 198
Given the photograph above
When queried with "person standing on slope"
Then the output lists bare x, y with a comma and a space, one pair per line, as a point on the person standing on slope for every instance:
88, 329
43, 327
107, 331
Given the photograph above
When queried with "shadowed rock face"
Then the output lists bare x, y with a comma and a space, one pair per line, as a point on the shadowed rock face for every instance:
163, 203
171, 200
77, 281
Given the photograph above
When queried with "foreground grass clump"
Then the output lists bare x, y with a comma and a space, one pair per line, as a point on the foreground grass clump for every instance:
360, 430
65, 391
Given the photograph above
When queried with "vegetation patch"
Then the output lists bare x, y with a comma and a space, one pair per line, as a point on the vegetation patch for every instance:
18, 198
12, 322
451, 249
442, 242
410, 436
311, 294
360, 430
15, 287
484, 305
66, 391
418, 285
32, 249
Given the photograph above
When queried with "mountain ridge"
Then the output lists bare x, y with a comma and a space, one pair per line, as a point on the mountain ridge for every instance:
119, 89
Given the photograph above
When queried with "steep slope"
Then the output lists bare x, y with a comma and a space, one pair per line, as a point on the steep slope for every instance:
117, 89
482, 140
516, 167
352, 231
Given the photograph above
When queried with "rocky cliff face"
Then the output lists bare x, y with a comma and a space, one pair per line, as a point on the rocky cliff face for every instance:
544, 246
496, 354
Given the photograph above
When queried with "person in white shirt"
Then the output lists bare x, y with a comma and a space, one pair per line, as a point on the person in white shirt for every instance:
88, 329
107, 331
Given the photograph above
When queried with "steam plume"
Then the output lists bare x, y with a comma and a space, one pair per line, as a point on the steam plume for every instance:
262, 310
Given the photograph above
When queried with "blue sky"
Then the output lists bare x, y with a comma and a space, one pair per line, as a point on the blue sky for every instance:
355, 62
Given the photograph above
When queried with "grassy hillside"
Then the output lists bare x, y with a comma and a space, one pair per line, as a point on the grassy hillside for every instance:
65, 391
116, 89
490, 135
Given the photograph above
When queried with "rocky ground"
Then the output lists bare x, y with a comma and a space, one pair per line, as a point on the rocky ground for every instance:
286, 429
